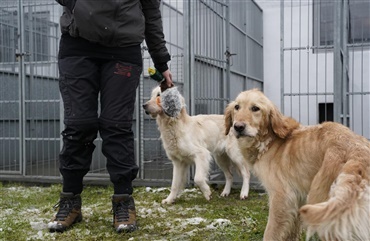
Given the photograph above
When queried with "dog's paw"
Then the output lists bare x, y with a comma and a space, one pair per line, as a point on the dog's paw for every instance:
225, 194
167, 201
208, 197
243, 197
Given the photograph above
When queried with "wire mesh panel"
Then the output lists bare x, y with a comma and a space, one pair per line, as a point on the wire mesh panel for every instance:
226, 54
358, 46
154, 164
325, 74
210, 42
246, 47
10, 99
10, 146
29, 95
41, 89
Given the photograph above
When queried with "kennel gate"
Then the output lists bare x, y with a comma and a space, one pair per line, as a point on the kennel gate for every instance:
29, 95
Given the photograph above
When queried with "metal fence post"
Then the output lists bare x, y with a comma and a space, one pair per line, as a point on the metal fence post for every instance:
188, 56
345, 75
340, 62
188, 64
21, 88
227, 42
282, 56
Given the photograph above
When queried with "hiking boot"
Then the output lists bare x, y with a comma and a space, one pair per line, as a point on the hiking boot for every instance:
124, 213
69, 212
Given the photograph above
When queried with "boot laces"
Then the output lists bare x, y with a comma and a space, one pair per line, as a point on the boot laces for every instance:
121, 211
65, 207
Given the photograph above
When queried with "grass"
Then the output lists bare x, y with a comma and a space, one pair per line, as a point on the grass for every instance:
25, 211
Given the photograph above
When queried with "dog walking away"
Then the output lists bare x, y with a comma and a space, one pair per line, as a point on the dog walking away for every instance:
195, 140
316, 174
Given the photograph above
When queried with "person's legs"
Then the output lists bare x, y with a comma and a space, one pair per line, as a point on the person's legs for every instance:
79, 87
118, 92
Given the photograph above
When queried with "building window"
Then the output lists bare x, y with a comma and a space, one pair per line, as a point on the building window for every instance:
359, 22
326, 112
38, 30
37, 41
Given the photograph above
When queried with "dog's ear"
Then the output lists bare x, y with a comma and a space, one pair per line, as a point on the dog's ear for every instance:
158, 101
282, 125
228, 117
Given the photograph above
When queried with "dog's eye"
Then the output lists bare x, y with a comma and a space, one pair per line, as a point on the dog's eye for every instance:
255, 108
237, 107
159, 94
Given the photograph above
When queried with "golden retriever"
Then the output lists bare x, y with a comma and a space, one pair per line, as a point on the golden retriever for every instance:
316, 174
195, 140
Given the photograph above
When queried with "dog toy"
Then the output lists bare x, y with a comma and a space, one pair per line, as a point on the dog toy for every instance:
171, 102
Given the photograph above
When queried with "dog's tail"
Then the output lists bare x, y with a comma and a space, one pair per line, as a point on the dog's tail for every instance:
346, 215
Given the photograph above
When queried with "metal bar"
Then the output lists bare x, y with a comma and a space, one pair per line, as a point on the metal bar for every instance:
345, 77
282, 106
353, 84
316, 39
22, 121
300, 59
308, 48
42, 101
311, 94
248, 36
202, 58
188, 54
291, 55
325, 50
208, 6
41, 139
9, 101
190, 68
212, 98
352, 45
247, 76
10, 138
227, 43
362, 88
363, 44
140, 126
308, 64
221, 3
338, 64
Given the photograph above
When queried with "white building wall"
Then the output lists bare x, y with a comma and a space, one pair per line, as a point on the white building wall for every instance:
308, 71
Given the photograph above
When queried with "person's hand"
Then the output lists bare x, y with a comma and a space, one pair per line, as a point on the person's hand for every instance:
167, 83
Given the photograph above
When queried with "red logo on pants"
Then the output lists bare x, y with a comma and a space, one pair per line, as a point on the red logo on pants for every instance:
123, 70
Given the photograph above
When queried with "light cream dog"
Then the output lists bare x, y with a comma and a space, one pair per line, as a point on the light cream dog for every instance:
195, 140
319, 174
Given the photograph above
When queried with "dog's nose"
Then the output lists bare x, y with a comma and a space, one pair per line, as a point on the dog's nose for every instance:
239, 127
144, 106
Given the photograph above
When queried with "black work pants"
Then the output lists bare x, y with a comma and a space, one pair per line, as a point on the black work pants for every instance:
82, 80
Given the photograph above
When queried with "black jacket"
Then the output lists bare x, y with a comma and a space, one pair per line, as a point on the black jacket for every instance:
117, 23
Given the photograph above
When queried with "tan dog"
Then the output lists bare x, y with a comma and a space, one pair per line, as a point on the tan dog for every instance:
317, 173
195, 140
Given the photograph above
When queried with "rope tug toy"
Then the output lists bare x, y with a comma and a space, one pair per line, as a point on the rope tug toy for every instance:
171, 102
170, 98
